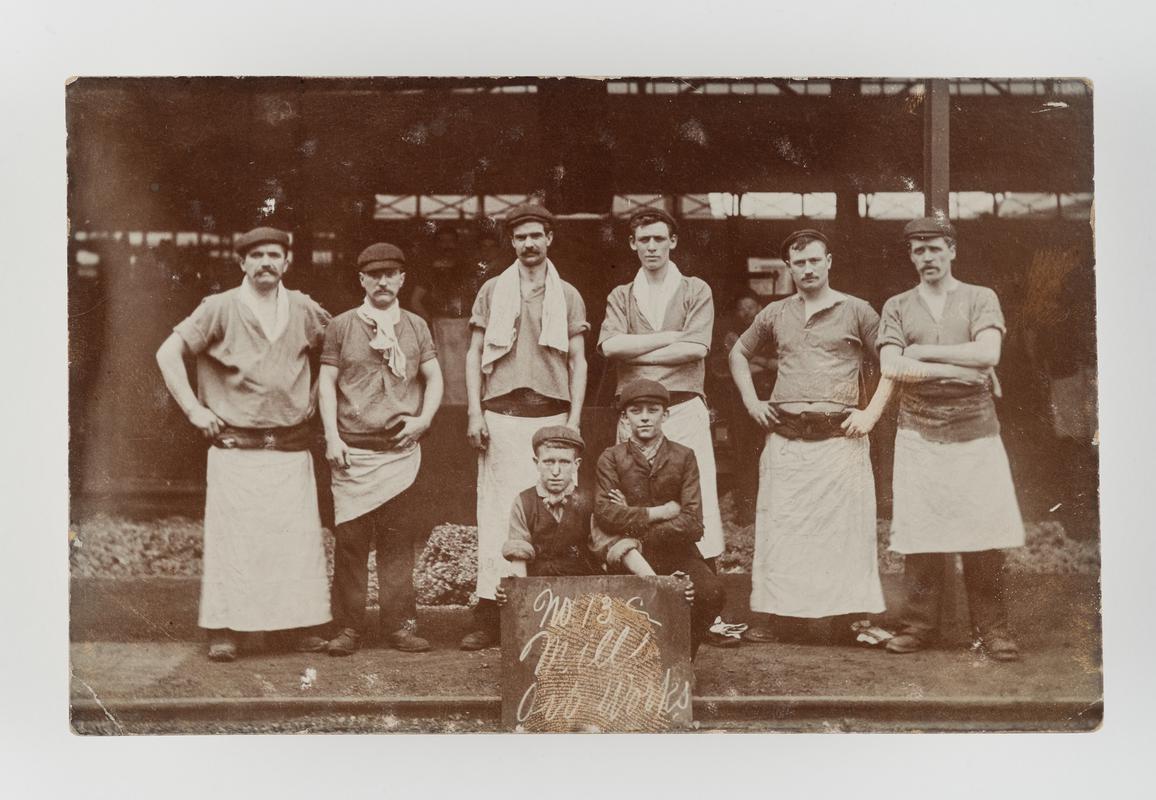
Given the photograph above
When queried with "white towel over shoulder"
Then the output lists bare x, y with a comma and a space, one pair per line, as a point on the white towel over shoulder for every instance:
506, 308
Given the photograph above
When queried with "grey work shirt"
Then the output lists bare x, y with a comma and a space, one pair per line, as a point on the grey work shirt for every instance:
944, 410
819, 358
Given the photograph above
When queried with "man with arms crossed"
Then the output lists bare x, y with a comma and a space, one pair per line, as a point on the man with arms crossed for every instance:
952, 484
264, 563
659, 327
379, 388
815, 543
525, 369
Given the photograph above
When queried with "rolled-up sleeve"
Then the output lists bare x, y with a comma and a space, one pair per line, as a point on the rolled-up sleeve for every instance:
203, 327
986, 313
519, 544
760, 335
576, 322
891, 326
615, 322
699, 325
480, 314
868, 329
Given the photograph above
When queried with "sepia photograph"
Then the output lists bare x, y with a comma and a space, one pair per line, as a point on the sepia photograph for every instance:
582, 404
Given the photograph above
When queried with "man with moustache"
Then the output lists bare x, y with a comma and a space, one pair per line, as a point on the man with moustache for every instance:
525, 369
953, 490
815, 542
264, 563
379, 388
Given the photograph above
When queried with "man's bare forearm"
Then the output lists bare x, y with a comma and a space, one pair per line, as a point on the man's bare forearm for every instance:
673, 354
741, 374
474, 376
577, 371
327, 401
629, 346
900, 369
977, 355
170, 359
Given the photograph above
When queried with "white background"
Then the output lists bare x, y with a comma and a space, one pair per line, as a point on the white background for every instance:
42, 43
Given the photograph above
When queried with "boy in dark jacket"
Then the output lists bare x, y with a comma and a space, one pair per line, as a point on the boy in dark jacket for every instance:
648, 506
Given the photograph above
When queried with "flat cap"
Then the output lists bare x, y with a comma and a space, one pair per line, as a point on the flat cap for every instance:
244, 242
528, 212
656, 213
811, 233
379, 252
559, 436
928, 228
642, 389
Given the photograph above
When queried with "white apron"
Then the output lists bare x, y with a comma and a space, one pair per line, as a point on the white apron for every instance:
371, 480
815, 542
505, 469
264, 561
953, 497
689, 425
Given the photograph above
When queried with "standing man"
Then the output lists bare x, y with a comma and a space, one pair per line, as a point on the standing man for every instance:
658, 327
525, 369
952, 484
379, 388
264, 563
815, 544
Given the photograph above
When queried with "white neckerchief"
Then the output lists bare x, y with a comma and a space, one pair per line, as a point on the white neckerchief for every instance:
653, 300
384, 322
506, 308
254, 303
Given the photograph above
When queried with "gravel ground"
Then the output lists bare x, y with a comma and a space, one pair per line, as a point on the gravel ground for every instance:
106, 546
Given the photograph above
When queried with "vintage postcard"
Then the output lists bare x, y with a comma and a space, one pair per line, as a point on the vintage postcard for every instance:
644, 404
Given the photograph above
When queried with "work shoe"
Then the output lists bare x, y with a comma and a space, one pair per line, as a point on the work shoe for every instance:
1000, 648
406, 641
345, 643
479, 640
309, 643
714, 639
906, 643
761, 634
222, 647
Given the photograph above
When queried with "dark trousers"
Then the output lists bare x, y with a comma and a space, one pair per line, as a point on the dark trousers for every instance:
387, 530
924, 575
709, 594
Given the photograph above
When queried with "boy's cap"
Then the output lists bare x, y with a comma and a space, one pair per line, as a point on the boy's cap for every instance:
785, 247
558, 436
245, 242
527, 212
381, 255
928, 228
643, 389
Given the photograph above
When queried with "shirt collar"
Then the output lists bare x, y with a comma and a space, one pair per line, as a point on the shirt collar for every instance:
651, 451
552, 500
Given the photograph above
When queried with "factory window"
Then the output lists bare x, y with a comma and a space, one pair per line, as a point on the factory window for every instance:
891, 205
448, 206
626, 204
394, 206
1076, 206
970, 205
496, 205
1026, 204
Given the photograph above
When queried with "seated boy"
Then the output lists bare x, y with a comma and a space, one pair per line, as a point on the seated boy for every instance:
550, 521
648, 509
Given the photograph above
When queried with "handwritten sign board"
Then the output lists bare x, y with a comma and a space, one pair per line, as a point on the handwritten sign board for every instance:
603, 653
